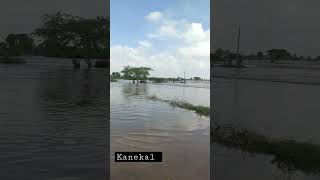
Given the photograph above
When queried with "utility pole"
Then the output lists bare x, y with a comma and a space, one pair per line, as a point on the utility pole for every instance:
238, 45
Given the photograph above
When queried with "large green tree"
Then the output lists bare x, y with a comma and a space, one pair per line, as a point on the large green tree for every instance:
136, 73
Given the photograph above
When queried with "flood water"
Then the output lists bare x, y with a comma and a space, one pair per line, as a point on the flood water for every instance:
53, 121
139, 124
279, 102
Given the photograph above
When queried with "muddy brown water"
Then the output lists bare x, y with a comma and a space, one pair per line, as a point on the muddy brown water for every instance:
138, 124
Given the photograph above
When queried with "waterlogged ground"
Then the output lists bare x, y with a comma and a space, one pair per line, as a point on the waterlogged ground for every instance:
139, 124
53, 121
279, 101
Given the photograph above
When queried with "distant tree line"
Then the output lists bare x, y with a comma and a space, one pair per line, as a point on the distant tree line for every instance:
141, 74
62, 35
273, 55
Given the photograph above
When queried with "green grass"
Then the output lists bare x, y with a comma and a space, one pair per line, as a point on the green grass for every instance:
200, 110
12, 60
288, 155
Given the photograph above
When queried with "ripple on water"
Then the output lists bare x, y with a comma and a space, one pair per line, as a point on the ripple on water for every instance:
138, 124
52, 113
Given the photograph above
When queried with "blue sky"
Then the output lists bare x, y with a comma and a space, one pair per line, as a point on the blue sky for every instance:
132, 29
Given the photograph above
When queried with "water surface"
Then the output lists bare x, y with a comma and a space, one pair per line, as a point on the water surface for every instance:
139, 124
53, 121
276, 101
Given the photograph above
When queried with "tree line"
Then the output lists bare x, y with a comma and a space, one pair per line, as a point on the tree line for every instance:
273, 55
141, 74
62, 35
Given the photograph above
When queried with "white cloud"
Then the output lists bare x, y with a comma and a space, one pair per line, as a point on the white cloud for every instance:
195, 33
154, 16
145, 44
186, 49
197, 42
168, 29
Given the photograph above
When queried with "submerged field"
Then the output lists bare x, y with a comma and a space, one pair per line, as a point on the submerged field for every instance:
53, 120
278, 109
139, 123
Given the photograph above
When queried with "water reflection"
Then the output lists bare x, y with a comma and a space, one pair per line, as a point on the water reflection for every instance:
130, 89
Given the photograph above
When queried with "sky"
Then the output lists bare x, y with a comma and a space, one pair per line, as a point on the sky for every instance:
288, 24
170, 36
23, 16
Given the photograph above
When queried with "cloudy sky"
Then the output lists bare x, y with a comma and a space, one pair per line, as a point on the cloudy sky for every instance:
170, 36
289, 24
23, 16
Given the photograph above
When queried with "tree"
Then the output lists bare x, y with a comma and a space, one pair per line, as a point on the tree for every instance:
52, 32
62, 34
197, 78
260, 55
277, 54
3, 48
221, 55
89, 35
218, 55
18, 44
136, 73
302, 58
116, 75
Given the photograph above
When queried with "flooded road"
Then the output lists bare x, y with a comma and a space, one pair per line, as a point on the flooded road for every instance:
276, 102
53, 121
139, 124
